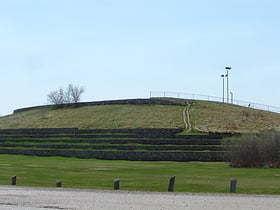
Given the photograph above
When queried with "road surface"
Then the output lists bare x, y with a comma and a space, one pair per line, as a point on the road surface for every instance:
27, 198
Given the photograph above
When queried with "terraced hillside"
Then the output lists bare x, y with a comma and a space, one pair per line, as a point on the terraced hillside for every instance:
121, 144
134, 129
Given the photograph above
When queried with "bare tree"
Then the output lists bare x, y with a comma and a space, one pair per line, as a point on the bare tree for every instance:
74, 93
71, 95
56, 97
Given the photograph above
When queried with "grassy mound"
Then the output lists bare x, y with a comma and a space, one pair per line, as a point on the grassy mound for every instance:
204, 117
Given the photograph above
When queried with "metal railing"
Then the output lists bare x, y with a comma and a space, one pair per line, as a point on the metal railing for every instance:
193, 96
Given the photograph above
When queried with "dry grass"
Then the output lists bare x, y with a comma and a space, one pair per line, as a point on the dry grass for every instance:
101, 116
218, 117
205, 117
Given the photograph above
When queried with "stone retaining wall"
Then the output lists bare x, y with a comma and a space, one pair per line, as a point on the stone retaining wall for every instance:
117, 147
156, 144
123, 155
137, 140
40, 131
144, 131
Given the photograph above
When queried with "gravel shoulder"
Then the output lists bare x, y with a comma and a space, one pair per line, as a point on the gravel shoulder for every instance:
23, 198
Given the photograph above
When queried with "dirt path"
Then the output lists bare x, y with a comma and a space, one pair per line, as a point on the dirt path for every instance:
26, 198
186, 117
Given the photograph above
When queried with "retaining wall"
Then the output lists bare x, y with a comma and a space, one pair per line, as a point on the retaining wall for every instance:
150, 131
157, 144
123, 155
40, 131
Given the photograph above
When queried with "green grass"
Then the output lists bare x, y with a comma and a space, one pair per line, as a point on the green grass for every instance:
136, 175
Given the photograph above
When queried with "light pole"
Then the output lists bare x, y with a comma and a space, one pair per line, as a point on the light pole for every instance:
227, 68
223, 76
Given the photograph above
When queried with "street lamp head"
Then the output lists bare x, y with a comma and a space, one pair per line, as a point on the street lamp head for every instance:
228, 68
222, 75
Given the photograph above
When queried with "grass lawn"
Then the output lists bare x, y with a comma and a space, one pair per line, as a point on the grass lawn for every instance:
136, 175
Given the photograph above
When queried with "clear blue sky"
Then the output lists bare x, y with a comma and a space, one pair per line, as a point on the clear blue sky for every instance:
125, 48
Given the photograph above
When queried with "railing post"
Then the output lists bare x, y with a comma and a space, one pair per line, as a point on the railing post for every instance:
233, 183
171, 184
116, 184
14, 180
58, 183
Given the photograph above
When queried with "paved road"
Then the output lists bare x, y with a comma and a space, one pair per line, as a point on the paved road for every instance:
26, 198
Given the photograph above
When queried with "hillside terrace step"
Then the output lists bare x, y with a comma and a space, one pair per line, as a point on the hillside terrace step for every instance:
40, 131
124, 141
110, 135
123, 155
141, 131
114, 144
64, 136
148, 132
90, 131
118, 147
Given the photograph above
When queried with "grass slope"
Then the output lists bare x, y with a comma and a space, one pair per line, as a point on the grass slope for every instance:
98, 117
136, 175
205, 117
211, 116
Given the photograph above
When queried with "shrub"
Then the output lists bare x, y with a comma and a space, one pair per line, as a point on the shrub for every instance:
255, 150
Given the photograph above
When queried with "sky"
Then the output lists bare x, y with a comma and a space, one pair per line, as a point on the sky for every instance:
124, 49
